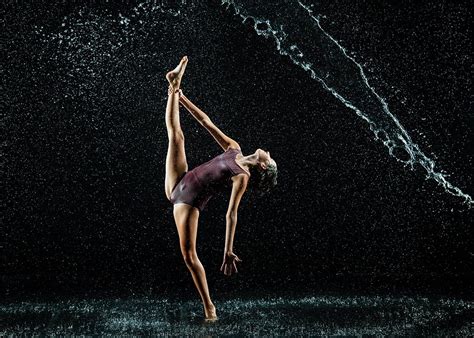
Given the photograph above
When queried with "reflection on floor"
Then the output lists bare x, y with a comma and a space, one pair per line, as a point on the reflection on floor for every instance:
265, 315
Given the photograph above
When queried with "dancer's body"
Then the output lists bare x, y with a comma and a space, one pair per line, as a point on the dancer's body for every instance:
190, 191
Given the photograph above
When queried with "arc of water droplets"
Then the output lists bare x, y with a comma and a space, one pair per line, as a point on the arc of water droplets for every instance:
400, 138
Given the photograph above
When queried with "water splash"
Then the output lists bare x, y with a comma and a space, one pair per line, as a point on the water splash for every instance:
95, 54
93, 44
263, 315
340, 74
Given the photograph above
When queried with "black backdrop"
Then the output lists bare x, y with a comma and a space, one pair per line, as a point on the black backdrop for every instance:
84, 146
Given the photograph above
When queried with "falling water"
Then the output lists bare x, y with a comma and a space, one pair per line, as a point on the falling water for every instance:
95, 58
340, 74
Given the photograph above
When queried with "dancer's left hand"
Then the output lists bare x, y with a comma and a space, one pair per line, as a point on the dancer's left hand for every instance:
171, 90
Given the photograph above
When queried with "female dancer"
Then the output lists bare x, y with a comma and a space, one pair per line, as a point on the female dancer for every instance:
190, 191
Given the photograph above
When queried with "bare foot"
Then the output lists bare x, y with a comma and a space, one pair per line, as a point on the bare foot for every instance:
210, 313
174, 76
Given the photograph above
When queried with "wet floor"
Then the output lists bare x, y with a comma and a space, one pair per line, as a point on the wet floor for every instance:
269, 315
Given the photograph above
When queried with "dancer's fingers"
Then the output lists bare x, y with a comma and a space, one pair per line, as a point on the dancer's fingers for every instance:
235, 267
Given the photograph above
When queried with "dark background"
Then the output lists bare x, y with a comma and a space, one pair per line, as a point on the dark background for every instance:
84, 146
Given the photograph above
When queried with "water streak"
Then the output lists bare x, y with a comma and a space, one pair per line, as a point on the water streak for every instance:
340, 74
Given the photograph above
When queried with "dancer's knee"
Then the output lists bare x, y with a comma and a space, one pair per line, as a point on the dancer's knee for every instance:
190, 258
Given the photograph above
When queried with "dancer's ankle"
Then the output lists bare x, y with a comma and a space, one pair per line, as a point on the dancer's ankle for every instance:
172, 90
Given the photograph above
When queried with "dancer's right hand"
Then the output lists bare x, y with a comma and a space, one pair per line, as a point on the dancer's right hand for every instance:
229, 264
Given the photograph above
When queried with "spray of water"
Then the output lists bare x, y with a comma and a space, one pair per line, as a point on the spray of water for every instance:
344, 77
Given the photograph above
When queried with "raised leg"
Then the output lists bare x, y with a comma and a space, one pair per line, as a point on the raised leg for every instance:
176, 163
187, 218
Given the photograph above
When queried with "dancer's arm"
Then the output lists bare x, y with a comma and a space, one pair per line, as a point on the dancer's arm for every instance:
230, 258
238, 188
221, 138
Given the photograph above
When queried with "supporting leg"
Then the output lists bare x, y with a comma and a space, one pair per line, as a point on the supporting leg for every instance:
186, 218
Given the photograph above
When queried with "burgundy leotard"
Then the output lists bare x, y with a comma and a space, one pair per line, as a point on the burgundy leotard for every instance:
196, 187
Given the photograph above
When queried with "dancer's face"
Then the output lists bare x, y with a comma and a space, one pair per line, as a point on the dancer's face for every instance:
264, 158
